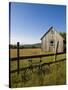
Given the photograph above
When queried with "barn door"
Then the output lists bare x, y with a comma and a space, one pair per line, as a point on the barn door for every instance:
52, 46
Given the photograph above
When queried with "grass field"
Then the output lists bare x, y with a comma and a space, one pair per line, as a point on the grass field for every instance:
55, 74
27, 52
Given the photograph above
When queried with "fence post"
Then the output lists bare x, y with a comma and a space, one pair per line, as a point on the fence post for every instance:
18, 57
55, 60
56, 50
40, 63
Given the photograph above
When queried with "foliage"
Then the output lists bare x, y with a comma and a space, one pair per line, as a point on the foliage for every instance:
63, 34
12, 46
37, 45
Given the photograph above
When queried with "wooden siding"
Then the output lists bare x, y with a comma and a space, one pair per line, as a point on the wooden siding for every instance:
55, 37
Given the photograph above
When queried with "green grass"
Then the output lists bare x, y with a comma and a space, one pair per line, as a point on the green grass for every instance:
54, 74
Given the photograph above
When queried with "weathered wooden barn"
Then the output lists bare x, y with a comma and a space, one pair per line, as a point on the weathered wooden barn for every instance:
49, 41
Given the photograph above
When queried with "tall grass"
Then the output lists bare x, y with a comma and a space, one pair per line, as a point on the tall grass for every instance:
53, 74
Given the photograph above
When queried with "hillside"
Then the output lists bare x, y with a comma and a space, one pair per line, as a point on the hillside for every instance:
36, 45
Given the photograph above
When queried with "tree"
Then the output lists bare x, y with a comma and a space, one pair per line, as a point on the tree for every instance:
63, 34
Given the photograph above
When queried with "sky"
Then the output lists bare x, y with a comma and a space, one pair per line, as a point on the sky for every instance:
28, 22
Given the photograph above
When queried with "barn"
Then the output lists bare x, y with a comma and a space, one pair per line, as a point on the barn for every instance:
50, 39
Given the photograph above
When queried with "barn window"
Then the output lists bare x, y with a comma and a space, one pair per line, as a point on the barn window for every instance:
52, 43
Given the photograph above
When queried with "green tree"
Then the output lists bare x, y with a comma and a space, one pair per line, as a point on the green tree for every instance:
63, 34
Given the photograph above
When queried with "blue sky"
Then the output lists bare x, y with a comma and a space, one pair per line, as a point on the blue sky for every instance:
30, 21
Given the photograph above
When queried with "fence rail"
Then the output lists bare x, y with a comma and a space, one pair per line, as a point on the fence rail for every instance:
34, 66
35, 56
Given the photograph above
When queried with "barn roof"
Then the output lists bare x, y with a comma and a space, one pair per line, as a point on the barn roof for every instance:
48, 31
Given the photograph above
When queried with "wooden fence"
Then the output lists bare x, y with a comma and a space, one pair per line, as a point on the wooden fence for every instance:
29, 58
